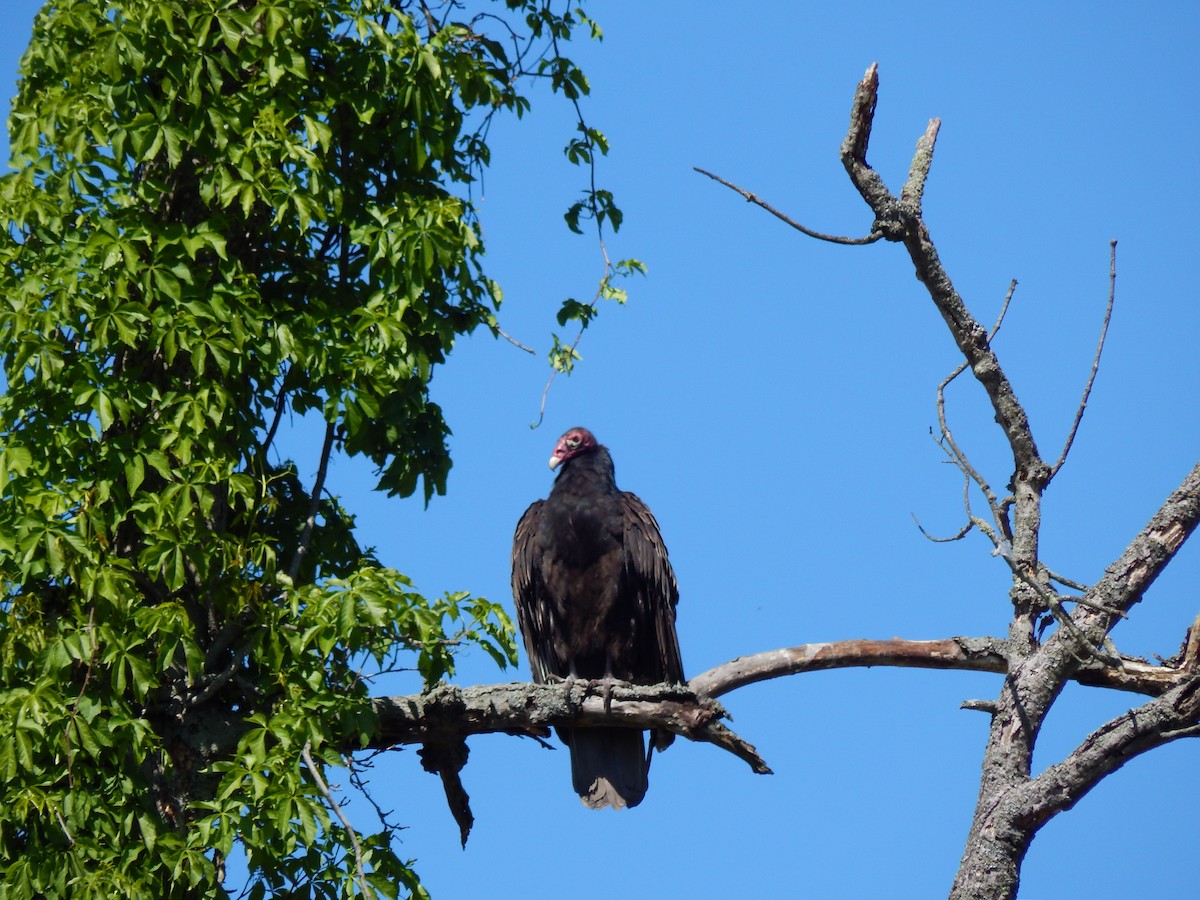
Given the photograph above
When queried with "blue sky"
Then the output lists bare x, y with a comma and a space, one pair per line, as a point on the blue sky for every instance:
770, 398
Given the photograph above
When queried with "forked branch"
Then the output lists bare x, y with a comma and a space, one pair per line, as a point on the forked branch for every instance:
899, 219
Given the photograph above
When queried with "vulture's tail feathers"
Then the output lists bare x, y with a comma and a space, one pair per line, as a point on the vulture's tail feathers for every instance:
608, 766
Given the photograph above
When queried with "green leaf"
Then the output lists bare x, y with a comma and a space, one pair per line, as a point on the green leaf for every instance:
149, 831
105, 411
14, 460
135, 473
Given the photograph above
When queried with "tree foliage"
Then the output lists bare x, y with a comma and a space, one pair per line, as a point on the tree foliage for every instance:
222, 211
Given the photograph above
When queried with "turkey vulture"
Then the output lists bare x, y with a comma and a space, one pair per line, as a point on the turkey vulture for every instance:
595, 599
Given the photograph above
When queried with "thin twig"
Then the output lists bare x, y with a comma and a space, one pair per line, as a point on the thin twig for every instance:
966, 529
314, 505
957, 456
337, 811
1054, 603
1099, 607
752, 198
62, 823
280, 405
360, 783
608, 269
550, 381
504, 334
958, 536
1112, 293
1012, 287
1066, 582
947, 442
959, 369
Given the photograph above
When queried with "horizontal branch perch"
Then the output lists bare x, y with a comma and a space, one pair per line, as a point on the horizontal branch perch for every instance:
967, 654
449, 713
973, 654
442, 719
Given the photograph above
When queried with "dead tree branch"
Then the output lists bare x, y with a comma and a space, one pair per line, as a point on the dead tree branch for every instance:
899, 219
971, 654
752, 198
1012, 805
1174, 715
441, 719
450, 713
1087, 389
1127, 579
950, 446
314, 506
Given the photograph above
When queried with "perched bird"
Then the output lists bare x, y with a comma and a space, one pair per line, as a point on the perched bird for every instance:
595, 597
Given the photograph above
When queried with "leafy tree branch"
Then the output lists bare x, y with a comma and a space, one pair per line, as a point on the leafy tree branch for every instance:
222, 213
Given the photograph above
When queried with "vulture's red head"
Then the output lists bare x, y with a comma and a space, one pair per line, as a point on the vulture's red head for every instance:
571, 444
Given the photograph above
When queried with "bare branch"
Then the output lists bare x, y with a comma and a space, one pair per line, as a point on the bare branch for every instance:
914, 188
1008, 295
337, 811
504, 334
314, 504
854, 147
957, 536
962, 366
62, 823
1174, 715
900, 220
987, 706
974, 654
448, 712
1191, 647
1054, 602
1147, 555
988, 654
1112, 293
280, 406
752, 198
1065, 582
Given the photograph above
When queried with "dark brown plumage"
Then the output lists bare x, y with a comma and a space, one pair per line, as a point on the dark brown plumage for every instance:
595, 598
